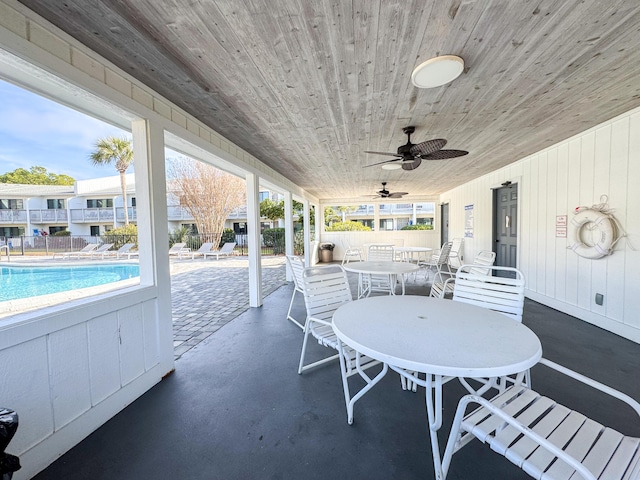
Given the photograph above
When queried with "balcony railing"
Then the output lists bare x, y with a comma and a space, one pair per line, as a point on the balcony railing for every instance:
91, 215
13, 216
176, 213
48, 216
133, 214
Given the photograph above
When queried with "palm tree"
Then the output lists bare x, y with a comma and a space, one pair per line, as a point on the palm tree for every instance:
119, 152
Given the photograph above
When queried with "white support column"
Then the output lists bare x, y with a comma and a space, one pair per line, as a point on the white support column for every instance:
415, 214
153, 232
253, 236
306, 223
288, 230
376, 217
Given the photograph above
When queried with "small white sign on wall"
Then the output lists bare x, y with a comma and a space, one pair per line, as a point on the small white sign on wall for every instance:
468, 221
561, 226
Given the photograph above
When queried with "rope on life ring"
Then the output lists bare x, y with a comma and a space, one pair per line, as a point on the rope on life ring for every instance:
597, 217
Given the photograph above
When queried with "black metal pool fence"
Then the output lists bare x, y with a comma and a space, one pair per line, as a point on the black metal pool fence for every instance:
273, 243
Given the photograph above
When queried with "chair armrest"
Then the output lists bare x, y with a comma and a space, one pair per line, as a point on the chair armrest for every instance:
593, 383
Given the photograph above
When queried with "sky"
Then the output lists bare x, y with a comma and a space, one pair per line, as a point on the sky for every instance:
36, 131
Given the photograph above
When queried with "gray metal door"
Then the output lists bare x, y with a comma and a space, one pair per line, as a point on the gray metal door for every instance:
505, 225
444, 219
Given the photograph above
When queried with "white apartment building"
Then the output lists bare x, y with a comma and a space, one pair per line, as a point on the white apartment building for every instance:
93, 207
90, 207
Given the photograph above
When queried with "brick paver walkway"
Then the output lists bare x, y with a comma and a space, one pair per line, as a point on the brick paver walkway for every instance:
207, 294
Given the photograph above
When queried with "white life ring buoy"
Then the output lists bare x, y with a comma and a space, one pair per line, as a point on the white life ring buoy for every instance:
592, 220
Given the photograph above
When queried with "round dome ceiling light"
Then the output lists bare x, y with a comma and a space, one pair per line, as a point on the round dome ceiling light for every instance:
437, 71
391, 166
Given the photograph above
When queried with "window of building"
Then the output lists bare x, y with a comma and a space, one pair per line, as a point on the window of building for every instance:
56, 204
11, 204
53, 230
11, 231
99, 203
263, 196
133, 201
240, 228
95, 230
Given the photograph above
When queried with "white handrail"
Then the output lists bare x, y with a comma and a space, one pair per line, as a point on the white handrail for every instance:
5, 247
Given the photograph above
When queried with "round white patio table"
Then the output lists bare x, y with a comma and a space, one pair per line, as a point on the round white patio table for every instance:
409, 253
441, 338
393, 269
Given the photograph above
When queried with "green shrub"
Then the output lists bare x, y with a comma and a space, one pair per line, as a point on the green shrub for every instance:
420, 226
274, 237
228, 235
298, 243
62, 233
121, 235
179, 235
347, 227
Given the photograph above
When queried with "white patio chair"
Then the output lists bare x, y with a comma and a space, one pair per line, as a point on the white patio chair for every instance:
444, 286
204, 248
350, 252
380, 283
226, 251
489, 289
325, 289
440, 261
545, 439
457, 252
296, 264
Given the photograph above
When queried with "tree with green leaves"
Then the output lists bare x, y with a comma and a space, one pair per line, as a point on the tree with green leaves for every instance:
116, 151
275, 210
35, 176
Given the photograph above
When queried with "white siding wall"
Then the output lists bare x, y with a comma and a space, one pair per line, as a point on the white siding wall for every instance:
604, 160
66, 373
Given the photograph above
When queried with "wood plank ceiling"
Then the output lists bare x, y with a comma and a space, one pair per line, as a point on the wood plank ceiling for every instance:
307, 85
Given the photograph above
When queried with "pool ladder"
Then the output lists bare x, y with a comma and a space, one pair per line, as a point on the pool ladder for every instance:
5, 247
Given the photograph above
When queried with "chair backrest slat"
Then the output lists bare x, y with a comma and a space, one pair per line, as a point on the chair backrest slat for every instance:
296, 264
380, 253
325, 289
504, 295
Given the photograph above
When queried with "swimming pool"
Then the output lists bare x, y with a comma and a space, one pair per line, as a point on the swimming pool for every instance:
26, 282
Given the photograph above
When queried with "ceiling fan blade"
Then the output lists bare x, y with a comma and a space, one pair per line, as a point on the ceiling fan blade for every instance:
444, 154
425, 148
384, 153
380, 163
398, 194
411, 165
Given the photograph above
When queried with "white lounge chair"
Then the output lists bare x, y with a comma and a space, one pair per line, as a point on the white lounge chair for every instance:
101, 251
123, 251
204, 248
87, 249
178, 249
226, 250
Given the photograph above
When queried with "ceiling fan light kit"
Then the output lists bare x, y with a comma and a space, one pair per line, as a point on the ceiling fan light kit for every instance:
437, 71
391, 166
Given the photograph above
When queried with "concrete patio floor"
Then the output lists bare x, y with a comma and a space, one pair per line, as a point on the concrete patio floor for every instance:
235, 408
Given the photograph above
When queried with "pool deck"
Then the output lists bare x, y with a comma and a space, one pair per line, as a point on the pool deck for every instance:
205, 294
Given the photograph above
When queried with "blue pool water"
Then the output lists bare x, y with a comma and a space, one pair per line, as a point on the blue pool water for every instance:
26, 282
